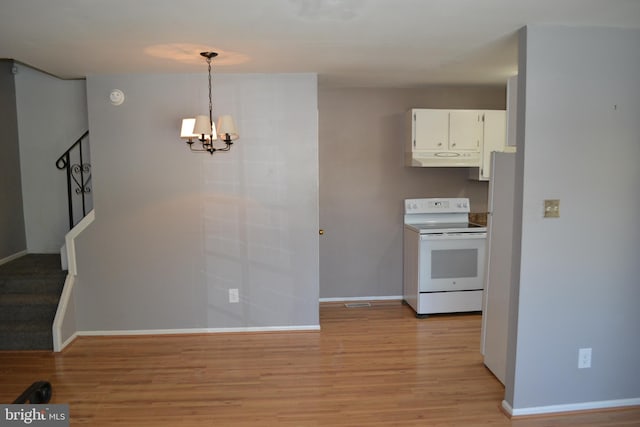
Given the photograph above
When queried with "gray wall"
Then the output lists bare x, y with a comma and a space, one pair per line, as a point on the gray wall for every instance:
12, 234
579, 286
174, 230
363, 181
52, 115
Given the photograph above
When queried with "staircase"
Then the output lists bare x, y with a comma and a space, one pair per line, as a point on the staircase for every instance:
30, 288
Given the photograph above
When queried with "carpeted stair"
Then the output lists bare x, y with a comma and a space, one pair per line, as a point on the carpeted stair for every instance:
30, 288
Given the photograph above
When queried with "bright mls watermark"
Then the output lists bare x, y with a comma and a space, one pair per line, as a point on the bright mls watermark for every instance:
34, 415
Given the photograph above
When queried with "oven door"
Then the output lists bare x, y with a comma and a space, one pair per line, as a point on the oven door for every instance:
451, 261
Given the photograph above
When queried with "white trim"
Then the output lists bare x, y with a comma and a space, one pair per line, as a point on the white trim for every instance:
12, 257
507, 407
571, 407
347, 299
56, 328
63, 258
70, 243
61, 311
69, 341
199, 330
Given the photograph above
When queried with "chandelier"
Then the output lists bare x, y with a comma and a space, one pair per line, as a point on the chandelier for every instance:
202, 127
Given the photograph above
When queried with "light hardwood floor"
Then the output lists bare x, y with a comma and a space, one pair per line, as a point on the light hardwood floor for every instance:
377, 366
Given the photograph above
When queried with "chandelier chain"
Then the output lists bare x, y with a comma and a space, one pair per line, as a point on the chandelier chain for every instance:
210, 102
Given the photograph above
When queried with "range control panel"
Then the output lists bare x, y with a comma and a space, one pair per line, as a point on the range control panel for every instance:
436, 205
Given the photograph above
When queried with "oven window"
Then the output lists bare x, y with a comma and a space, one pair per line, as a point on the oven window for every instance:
454, 263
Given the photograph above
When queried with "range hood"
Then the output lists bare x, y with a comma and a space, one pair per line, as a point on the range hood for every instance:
443, 159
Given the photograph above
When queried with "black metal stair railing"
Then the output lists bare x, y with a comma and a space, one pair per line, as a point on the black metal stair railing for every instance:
75, 162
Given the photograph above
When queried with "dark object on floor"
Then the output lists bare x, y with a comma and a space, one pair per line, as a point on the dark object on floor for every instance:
37, 393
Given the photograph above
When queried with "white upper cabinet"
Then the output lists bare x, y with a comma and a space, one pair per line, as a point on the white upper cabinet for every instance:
465, 130
456, 138
431, 130
450, 138
493, 139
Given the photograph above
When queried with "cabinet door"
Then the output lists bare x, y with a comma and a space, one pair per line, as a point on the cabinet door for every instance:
465, 130
495, 134
430, 129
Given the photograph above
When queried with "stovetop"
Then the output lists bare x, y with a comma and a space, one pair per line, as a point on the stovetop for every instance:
447, 227
440, 215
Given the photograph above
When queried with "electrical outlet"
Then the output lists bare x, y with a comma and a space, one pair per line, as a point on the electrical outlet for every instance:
234, 295
552, 208
584, 358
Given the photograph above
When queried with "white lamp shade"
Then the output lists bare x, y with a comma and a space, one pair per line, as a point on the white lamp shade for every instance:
203, 126
186, 132
226, 125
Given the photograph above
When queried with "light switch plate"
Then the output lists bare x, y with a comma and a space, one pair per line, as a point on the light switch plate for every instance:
234, 295
552, 208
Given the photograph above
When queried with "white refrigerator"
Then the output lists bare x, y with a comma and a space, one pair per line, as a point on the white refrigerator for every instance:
495, 312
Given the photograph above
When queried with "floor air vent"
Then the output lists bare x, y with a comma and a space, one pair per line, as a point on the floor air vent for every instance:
357, 304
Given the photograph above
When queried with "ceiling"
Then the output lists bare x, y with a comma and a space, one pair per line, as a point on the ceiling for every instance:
382, 43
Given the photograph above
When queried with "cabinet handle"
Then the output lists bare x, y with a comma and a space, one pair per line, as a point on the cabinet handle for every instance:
439, 144
453, 145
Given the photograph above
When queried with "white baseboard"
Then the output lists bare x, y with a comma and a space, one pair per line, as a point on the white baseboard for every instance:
12, 257
347, 299
199, 330
61, 313
572, 407
67, 342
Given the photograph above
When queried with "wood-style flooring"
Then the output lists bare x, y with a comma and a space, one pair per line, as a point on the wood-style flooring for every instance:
377, 366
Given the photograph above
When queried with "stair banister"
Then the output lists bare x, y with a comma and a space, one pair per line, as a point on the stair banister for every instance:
78, 173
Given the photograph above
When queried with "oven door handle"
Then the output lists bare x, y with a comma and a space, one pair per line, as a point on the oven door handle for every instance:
453, 236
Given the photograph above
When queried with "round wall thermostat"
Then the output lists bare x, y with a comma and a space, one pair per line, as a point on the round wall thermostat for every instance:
116, 97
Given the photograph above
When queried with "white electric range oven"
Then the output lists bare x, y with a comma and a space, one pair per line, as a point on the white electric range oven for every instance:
443, 257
